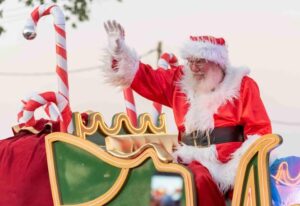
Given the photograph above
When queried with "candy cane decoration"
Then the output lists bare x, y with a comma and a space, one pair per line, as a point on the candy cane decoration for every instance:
52, 111
166, 60
50, 108
130, 106
26, 115
62, 97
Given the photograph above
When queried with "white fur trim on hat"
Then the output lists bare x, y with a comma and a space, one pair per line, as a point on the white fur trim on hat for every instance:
206, 50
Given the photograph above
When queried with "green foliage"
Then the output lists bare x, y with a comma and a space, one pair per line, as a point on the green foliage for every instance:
1, 15
1, 30
74, 10
78, 9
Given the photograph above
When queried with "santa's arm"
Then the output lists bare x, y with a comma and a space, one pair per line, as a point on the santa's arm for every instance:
120, 63
253, 115
157, 85
122, 68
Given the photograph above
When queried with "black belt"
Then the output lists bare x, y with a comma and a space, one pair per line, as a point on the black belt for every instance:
217, 136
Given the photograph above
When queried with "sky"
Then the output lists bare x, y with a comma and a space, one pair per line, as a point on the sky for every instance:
262, 35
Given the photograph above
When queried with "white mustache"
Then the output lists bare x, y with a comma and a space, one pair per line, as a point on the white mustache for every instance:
198, 73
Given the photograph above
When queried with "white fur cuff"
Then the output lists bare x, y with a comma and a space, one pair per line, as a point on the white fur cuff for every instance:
125, 69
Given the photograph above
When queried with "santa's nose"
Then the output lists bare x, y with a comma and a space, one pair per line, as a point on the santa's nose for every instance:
194, 68
197, 68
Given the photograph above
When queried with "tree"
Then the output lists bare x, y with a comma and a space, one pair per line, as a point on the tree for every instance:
75, 10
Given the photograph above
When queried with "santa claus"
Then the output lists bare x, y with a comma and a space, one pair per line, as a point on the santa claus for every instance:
217, 108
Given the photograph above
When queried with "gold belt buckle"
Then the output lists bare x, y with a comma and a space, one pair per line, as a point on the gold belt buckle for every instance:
195, 136
207, 134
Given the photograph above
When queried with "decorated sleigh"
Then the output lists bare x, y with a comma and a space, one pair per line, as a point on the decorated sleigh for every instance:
93, 168
126, 163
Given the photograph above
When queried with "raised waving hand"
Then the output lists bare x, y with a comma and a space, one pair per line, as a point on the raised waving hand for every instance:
115, 35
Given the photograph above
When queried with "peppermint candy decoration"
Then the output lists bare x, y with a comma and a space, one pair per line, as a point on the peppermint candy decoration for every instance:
166, 61
51, 100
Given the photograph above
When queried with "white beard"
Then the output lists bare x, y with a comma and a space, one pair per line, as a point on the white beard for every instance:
208, 83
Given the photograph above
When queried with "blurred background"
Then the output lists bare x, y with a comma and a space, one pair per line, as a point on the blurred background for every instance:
262, 35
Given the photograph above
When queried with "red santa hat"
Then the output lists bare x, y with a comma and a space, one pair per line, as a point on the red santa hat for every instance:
206, 47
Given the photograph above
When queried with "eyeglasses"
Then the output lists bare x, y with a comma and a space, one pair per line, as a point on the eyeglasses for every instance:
197, 62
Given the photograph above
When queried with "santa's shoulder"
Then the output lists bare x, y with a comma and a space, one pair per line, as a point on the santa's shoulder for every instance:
247, 83
237, 72
178, 70
234, 76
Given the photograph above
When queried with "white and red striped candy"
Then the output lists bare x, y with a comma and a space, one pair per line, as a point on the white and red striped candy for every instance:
26, 115
130, 106
166, 61
52, 111
61, 99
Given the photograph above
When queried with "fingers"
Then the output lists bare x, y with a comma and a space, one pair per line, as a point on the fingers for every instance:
113, 26
110, 26
106, 27
122, 32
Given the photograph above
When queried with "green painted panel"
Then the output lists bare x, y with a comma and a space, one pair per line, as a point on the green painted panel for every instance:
137, 189
96, 138
252, 163
99, 137
81, 176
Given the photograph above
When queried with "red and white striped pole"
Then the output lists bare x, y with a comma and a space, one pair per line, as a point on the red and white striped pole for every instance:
166, 61
129, 101
62, 97
130, 106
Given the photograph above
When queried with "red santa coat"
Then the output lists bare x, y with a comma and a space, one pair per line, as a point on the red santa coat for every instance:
236, 101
